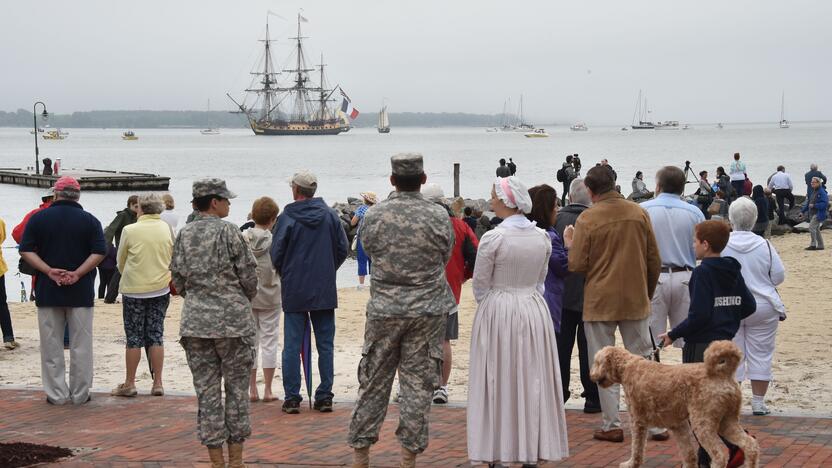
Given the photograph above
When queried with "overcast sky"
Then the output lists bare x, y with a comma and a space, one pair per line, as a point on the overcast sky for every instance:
697, 61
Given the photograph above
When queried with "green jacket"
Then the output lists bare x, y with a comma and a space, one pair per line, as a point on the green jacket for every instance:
123, 218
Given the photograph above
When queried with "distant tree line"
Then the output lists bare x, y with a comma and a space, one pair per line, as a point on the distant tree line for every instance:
203, 119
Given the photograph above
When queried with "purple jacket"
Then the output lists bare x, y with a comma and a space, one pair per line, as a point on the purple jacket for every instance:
553, 284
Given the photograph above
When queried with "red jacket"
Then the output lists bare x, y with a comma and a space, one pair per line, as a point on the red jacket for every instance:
17, 232
455, 270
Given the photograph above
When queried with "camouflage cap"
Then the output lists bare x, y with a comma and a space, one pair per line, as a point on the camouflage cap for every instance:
211, 186
407, 164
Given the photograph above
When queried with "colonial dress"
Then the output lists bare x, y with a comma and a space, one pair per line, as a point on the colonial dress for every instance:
515, 400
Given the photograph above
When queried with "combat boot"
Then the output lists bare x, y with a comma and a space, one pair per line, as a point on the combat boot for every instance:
235, 456
217, 458
408, 459
361, 458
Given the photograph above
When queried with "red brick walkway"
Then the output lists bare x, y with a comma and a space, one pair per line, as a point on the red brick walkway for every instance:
152, 432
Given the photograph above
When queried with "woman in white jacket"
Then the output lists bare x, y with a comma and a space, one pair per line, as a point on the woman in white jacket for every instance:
762, 270
266, 304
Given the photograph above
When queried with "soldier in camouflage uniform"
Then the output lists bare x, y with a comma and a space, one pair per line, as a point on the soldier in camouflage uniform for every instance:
409, 241
216, 273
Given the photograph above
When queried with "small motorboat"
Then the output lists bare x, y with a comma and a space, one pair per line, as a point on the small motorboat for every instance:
537, 133
579, 127
55, 135
210, 131
129, 135
492, 130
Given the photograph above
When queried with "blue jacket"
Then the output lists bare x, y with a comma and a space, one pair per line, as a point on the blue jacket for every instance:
309, 245
719, 301
554, 282
821, 203
64, 236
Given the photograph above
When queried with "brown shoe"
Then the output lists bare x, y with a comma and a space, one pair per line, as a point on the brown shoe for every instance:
612, 435
217, 458
661, 436
361, 458
408, 459
235, 456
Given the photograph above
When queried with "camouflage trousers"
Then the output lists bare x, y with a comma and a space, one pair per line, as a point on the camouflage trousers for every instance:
414, 347
212, 361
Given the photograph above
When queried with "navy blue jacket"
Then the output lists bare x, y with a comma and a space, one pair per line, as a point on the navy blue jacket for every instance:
309, 245
64, 236
719, 300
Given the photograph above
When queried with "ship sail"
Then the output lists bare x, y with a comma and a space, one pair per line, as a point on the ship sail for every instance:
292, 101
383, 120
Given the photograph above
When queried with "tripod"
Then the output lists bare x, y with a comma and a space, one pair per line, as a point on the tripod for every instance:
689, 173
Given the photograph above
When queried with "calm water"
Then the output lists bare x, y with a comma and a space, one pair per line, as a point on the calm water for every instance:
359, 161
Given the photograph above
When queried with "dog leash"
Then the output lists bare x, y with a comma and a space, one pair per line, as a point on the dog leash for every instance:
656, 355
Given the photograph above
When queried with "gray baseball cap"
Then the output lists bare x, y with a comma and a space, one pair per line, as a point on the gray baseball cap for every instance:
304, 179
211, 186
407, 164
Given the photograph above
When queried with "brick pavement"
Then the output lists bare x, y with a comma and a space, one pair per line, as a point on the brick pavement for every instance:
153, 432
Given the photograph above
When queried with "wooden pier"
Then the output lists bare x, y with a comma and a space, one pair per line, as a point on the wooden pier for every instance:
90, 179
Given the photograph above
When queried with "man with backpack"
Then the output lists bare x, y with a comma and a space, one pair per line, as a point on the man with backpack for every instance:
566, 174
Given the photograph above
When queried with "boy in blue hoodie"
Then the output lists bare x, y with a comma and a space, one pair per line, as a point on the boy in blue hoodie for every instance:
719, 299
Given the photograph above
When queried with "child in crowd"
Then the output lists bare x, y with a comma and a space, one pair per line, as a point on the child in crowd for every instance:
266, 305
719, 298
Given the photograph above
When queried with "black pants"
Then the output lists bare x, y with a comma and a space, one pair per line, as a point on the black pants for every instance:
5, 316
565, 192
112, 288
104, 277
694, 352
783, 195
572, 327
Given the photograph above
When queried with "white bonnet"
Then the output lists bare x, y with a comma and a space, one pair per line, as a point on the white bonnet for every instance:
513, 192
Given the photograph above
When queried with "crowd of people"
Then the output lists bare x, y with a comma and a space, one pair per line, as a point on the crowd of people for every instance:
547, 272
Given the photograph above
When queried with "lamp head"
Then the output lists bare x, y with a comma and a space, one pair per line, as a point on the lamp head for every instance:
44, 115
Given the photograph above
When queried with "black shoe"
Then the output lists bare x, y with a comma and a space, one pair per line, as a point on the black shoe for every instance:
324, 406
811, 247
591, 407
291, 407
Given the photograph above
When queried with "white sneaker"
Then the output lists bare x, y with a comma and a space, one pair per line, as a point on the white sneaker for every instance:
440, 395
759, 409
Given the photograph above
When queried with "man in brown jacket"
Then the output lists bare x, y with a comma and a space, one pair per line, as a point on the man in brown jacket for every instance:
613, 244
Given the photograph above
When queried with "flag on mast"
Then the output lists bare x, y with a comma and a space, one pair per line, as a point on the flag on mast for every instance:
346, 106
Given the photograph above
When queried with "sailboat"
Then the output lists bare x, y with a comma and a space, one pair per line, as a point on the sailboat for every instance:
524, 126
783, 122
296, 106
383, 120
641, 111
506, 119
211, 130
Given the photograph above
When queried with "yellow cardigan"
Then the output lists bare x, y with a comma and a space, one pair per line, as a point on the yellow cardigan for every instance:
144, 255
3, 267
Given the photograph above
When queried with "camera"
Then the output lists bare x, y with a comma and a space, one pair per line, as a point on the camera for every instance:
687, 164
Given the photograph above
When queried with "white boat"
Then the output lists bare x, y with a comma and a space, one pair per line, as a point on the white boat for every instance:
579, 127
537, 133
492, 129
516, 123
783, 122
668, 125
210, 130
55, 135
642, 113
129, 135
383, 120
686, 127
719, 125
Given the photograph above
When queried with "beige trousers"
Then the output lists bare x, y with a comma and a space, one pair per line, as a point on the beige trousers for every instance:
670, 302
51, 321
636, 338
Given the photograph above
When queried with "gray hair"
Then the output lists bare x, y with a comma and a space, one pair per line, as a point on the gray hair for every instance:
743, 214
151, 203
68, 194
813, 166
578, 193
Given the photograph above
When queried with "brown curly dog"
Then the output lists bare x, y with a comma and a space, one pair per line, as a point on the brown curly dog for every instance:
702, 399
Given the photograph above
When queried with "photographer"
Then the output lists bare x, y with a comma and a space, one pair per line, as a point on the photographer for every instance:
705, 193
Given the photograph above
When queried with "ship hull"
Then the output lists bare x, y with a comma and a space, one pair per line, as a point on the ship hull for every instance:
298, 129
384, 130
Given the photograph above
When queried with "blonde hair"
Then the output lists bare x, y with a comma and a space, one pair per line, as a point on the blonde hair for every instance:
168, 199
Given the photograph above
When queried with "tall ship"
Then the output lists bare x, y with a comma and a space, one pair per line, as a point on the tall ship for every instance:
293, 101
383, 120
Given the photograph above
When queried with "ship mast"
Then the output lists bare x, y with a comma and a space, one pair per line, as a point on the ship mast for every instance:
268, 81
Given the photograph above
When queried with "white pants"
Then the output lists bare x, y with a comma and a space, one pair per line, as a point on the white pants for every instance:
636, 338
51, 321
755, 338
670, 301
266, 322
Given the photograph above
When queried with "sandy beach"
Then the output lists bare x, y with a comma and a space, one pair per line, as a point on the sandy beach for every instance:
802, 367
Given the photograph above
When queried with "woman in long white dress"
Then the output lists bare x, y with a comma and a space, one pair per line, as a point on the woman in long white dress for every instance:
515, 401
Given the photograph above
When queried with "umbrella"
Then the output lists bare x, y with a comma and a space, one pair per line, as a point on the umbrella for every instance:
306, 357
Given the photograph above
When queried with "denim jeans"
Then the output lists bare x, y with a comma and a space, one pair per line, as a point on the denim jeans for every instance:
323, 325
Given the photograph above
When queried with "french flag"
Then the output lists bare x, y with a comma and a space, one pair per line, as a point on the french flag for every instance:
346, 106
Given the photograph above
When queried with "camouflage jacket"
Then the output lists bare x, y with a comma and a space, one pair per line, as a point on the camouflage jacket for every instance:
216, 273
409, 241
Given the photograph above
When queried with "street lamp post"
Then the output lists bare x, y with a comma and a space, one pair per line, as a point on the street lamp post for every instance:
45, 116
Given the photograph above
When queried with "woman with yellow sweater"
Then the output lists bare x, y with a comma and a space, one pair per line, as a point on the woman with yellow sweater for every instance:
5, 316
143, 260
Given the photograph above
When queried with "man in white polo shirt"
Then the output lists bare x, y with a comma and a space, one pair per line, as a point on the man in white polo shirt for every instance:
781, 184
